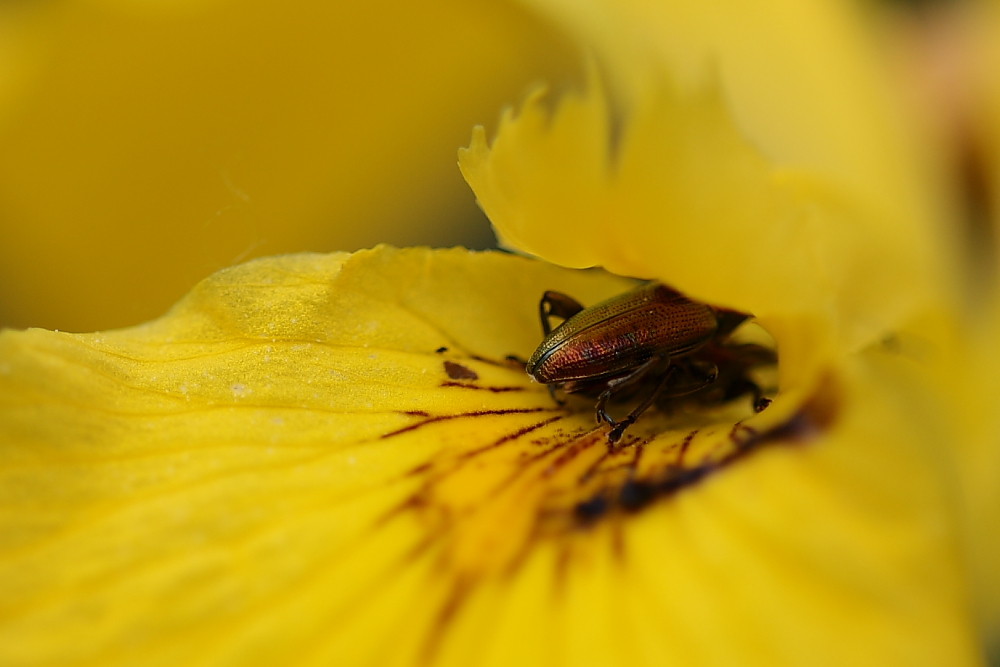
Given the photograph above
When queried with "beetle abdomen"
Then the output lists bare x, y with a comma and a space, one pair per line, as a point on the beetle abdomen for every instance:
616, 335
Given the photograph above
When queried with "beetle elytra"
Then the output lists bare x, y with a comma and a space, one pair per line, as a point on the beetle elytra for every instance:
650, 342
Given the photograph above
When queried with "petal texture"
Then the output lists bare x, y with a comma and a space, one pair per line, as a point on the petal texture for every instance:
329, 458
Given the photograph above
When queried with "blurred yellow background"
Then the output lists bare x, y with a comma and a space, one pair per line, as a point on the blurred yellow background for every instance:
145, 145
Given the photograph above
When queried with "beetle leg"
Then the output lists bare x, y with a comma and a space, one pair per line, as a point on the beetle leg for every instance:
600, 410
752, 354
692, 376
615, 385
618, 429
760, 402
748, 386
556, 304
552, 393
744, 385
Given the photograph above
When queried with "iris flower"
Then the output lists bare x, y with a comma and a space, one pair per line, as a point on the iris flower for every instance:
339, 459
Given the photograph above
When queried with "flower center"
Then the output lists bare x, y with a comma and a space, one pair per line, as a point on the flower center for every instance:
506, 479
537, 476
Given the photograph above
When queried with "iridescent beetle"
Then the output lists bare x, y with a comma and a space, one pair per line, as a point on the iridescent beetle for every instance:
650, 343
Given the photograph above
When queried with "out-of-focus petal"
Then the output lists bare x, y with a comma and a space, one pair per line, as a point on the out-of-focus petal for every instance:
145, 145
675, 180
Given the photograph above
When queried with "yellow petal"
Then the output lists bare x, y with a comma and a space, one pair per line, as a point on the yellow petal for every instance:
185, 136
802, 79
980, 32
686, 200
958, 359
681, 185
331, 458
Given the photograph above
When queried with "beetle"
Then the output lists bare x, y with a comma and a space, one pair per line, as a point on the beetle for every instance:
652, 343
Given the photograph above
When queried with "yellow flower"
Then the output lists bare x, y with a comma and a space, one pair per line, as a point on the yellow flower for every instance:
315, 455
145, 145
843, 249
338, 459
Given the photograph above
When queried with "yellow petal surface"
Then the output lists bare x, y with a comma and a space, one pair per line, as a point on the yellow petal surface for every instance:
984, 493
968, 369
330, 459
687, 200
147, 144
675, 181
803, 80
